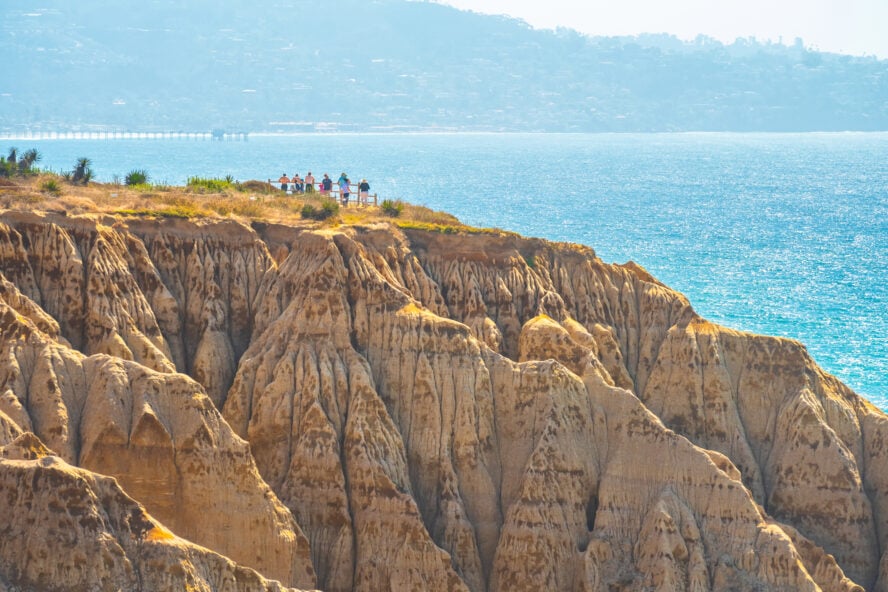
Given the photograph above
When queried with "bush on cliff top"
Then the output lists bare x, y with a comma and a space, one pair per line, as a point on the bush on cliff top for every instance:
391, 208
328, 209
202, 185
136, 177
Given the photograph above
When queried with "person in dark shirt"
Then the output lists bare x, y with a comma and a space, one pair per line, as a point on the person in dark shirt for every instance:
364, 191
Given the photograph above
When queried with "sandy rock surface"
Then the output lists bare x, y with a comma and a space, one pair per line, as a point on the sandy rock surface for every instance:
370, 408
66, 528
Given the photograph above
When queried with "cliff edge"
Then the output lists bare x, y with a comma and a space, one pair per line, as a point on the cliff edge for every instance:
374, 407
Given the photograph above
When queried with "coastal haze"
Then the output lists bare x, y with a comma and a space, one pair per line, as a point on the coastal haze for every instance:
352, 65
853, 27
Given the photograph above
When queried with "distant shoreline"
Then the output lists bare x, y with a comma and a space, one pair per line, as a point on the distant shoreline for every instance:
206, 136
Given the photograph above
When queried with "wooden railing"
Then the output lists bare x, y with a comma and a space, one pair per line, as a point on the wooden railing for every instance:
353, 196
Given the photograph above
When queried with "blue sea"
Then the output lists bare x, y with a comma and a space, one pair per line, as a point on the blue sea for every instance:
781, 234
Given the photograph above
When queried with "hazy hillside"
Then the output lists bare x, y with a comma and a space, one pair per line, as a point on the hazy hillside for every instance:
392, 64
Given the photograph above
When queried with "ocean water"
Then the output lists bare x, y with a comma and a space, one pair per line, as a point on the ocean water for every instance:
781, 234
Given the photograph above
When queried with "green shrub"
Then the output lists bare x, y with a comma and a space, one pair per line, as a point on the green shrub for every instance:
19, 164
328, 209
449, 229
257, 187
136, 177
391, 208
175, 211
7, 169
51, 186
211, 185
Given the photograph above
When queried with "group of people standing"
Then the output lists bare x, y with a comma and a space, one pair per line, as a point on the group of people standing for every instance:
296, 184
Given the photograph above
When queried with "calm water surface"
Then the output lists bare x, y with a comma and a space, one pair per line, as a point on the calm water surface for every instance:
777, 234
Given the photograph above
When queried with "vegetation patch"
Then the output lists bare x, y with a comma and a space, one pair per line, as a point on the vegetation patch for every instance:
391, 208
428, 226
448, 228
204, 185
51, 186
284, 205
75, 191
170, 207
257, 187
170, 212
327, 209
16, 164
82, 173
246, 209
136, 177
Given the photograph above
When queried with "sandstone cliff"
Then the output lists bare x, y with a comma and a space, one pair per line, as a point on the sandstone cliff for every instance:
429, 410
158, 434
69, 529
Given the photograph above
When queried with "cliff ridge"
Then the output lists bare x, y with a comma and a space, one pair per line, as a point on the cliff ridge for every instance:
367, 407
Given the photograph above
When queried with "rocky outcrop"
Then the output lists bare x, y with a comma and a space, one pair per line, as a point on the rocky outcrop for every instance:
81, 276
322, 436
212, 275
64, 528
512, 488
436, 411
726, 391
159, 435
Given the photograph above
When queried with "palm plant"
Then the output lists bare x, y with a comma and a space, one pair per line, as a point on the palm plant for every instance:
82, 172
28, 160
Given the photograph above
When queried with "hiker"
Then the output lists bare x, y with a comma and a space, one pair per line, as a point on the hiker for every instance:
364, 191
309, 183
344, 189
297, 183
326, 185
284, 181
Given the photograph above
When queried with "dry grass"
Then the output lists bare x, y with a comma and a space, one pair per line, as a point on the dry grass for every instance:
255, 201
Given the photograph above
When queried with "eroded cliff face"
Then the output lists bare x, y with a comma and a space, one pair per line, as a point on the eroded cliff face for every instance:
422, 410
66, 528
156, 432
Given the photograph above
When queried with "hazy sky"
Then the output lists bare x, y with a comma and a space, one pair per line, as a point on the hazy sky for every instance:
845, 26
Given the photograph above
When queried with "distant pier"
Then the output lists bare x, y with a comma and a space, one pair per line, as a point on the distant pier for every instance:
217, 135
